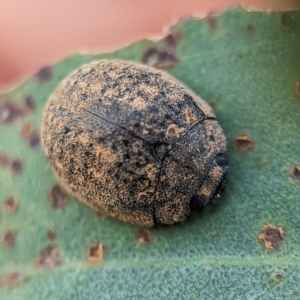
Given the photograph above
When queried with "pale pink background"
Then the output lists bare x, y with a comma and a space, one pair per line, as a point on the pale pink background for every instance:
37, 32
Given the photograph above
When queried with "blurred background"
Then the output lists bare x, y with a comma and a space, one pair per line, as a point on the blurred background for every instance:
35, 33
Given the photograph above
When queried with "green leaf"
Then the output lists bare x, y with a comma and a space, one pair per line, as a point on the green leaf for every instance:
248, 65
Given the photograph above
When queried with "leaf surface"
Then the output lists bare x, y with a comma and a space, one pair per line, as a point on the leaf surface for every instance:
247, 64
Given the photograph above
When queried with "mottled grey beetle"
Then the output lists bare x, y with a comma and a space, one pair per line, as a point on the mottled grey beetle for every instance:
133, 143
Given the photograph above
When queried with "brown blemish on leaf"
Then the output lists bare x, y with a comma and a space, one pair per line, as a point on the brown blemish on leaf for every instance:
278, 276
297, 88
212, 104
10, 112
10, 204
9, 278
57, 196
44, 74
99, 213
8, 238
295, 173
48, 257
159, 58
4, 160
26, 130
243, 143
29, 103
172, 38
15, 164
12, 278
211, 21
51, 234
143, 236
94, 252
250, 29
30, 135
286, 20
271, 236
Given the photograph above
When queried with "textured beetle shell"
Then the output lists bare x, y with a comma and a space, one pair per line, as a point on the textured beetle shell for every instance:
133, 143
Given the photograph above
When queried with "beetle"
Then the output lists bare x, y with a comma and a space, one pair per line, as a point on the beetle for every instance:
134, 143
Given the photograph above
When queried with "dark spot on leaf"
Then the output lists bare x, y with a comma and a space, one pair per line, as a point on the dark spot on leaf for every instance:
278, 276
48, 257
286, 20
57, 196
143, 236
295, 173
211, 21
212, 104
159, 58
29, 103
8, 238
9, 112
243, 143
30, 136
250, 29
94, 252
44, 74
98, 213
12, 278
271, 236
172, 38
16, 165
297, 88
51, 234
34, 140
10, 204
